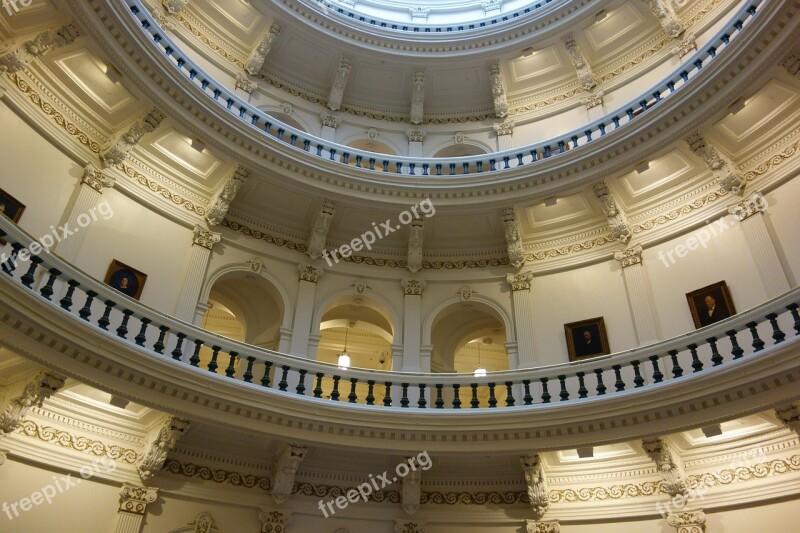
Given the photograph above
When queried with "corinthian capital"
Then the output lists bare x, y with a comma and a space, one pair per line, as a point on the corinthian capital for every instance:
133, 499
25, 395
94, 178
520, 281
205, 237
161, 441
413, 287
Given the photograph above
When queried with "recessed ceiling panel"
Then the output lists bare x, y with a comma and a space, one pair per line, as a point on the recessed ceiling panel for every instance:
540, 63
624, 22
465, 229
88, 74
177, 151
668, 169
567, 210
760, 112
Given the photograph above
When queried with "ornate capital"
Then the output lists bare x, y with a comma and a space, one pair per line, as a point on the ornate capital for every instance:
419, 12
630, 256
536, 482
617, 221
244, 83
413, 287
134, 499
752, 205
722, 168
93, 177
491, 6
668, 465
584, 72
309, 273
521, 281
416, 135
205, 237
329, 120
535, 526
687, 45
504, 128
27, 394
161, 442
688, 522
403, 526
174, 6
790, 416
593, 99
666, 16
274, 521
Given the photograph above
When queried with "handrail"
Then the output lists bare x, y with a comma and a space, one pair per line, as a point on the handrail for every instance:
642, 367
273, 130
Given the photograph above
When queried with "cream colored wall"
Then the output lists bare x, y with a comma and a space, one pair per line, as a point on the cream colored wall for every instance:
783, 219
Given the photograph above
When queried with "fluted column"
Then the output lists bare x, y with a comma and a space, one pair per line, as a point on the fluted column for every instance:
89, 198
202, 242
504, 131
640, 298
523, 317
329, 124
415, 139
133, 502
301, 330
412, 324
750, 213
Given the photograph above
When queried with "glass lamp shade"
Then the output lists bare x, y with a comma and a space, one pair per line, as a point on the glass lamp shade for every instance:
479, 372
344, 361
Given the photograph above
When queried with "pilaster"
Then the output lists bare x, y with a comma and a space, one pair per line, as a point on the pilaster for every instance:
202, 242
133, 503
639, 293
412, 324
306, 294
523, 317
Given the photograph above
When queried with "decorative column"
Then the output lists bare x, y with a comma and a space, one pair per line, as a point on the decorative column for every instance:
504, 131
259, 55
339, 83
498, 91
161, 441
89, 198
523, 316
412, 324
21, 56
595, 107
415, 139
133, 502
203, 240
306, 294
688, 522
750, 212
640, 298
329, 124
274, 521
244, 86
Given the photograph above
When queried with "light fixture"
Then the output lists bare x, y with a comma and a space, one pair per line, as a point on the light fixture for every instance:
198, 145
344, 358
712, 431
480, 371
113, 74
550, 202
528, 52
601, 15
642, 167
586, 452
737, 106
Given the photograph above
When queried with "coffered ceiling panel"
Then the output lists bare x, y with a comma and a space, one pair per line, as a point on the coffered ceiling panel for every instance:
235, 19
87, 74
380, 85
543, 62
461, 229
567, 210
348, 224
286, 208
623, 25
663, 172
318, 63
176, 151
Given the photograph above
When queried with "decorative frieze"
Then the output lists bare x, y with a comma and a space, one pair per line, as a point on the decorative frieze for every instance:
161, 442
309, 273
499, 96
667, 18
319, 231
415, 231
274, 521
516, 254
668, 465
536, 526
412, 286
520, 281
257, 57
285, 471
629, 256
93, 177
617, 221
536, 483
204, 237
721, 166
688, 522
134, 499
417, 97
585, 75
221, 203
21, 56
116, 152
339, 84
24, 395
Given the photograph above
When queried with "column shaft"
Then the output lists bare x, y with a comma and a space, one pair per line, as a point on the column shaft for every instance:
640, 302
762, 248
193, 283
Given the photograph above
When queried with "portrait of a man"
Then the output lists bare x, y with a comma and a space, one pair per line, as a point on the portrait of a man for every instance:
710, 304
11, 208
125, 279
586, 339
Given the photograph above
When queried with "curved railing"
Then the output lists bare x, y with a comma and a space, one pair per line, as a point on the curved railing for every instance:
97, 306
275, 131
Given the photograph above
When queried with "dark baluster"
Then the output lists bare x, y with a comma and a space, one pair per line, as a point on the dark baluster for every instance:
352, 396
638, 380
141, 338
474, 401
248, 373
758, 344
677, 371
177, 353
601, 388
194, 360
796, 315
47, 290
716, 358
619, 385
509, 394
10, 264
122, 330
283, 384
213, 365
777, 335
265, 381
658, 377
370, 392
318, 387
301, 382
404, 400
562, 381
545, 394
27, 278
697, 364
492, 399
159, 345
387, 395
422, 402
736, 350
335, 391
231, 370
66, 301
583, 392
527, 399
456, 399
439, 403
86, 312
105, 320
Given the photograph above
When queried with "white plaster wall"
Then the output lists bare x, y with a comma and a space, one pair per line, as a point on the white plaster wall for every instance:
783, 218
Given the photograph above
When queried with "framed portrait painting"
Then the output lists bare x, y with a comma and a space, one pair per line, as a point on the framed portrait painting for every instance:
711, 304
10, 207
586, 339
125, 279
